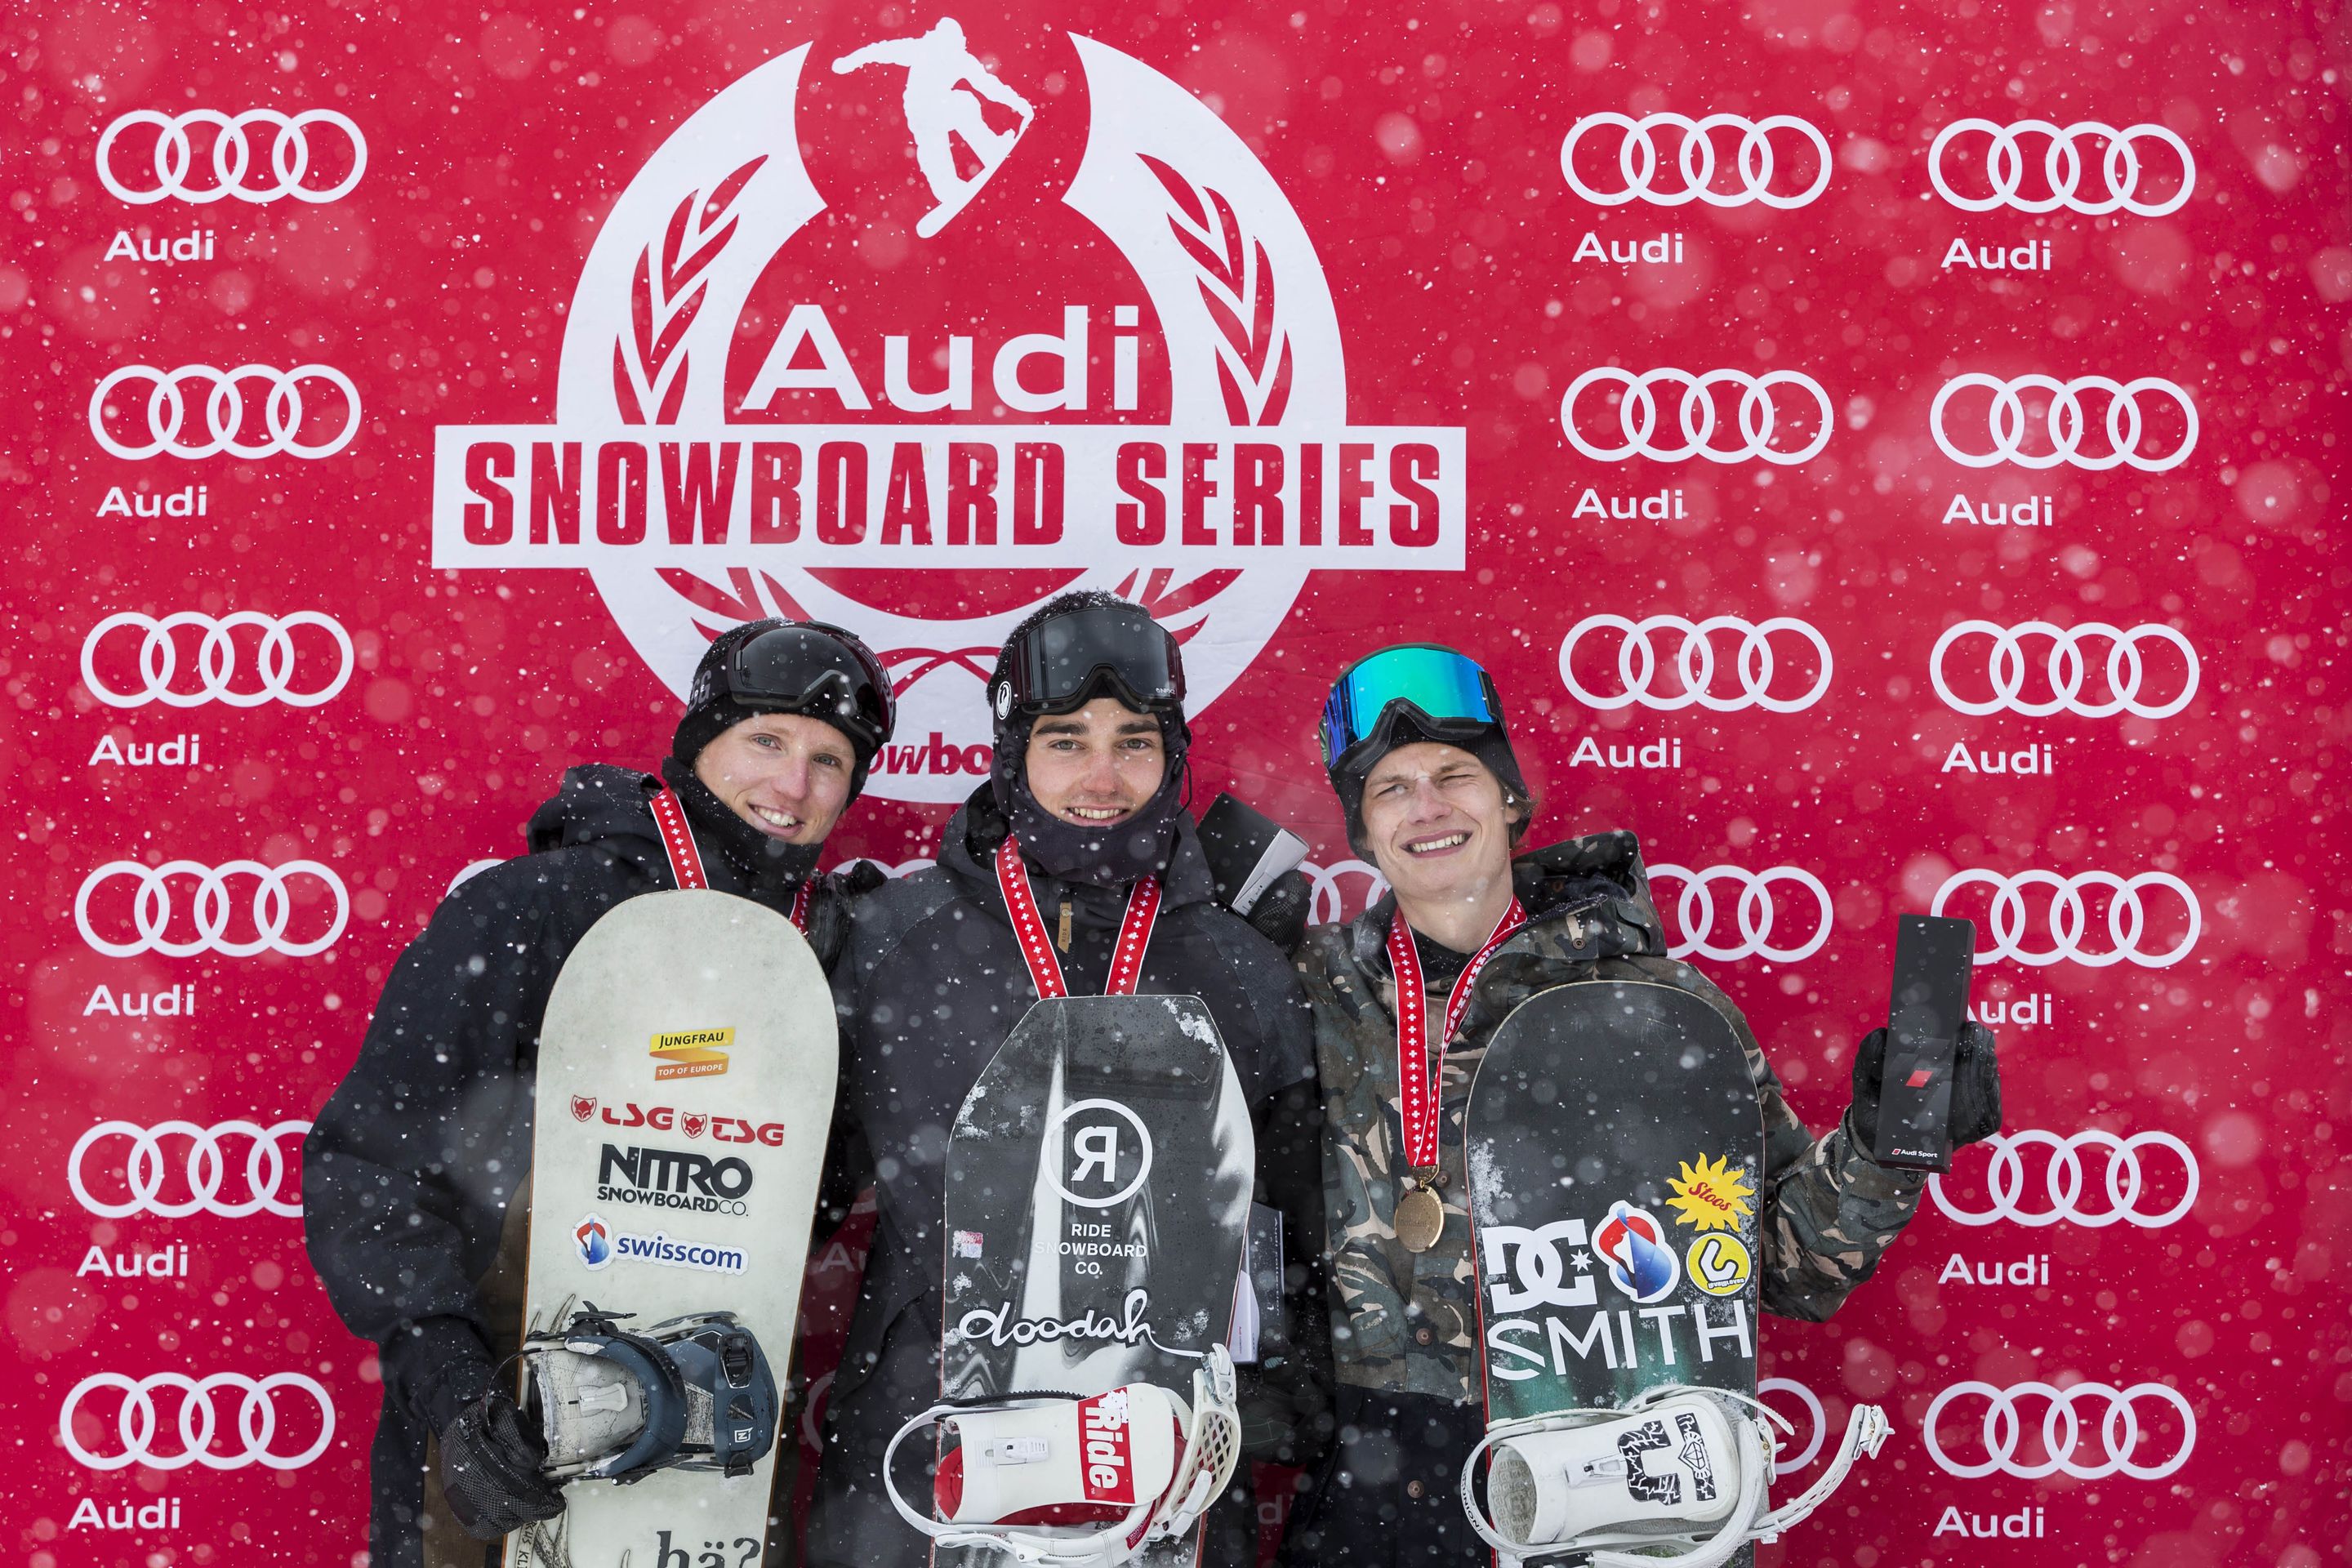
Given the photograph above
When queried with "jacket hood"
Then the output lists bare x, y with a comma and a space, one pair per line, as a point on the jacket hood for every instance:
978, 827
598, 803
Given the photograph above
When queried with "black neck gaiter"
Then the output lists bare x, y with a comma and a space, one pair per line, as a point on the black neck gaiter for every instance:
1107, 856
771, 868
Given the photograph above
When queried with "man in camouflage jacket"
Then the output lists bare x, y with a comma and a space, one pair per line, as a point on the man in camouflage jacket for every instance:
1405, 1322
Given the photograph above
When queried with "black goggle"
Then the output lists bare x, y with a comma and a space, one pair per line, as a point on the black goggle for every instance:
1064, 663
819, 670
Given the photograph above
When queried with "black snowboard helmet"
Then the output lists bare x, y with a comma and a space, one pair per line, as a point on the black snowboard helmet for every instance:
790, 666
1408, 693
1075, 647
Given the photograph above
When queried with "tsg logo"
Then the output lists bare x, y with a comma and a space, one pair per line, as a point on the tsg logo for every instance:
1098, 1153
1163, 415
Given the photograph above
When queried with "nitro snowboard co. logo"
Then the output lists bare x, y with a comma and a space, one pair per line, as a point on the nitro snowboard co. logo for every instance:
672, 1179
691, 1053
1641, 1262
1081, 339
1710, 1195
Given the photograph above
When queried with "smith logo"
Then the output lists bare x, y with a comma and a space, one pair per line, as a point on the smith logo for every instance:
692, 1053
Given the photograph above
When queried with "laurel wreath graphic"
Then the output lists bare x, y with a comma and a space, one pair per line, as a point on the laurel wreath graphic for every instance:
648, 369
1237, 284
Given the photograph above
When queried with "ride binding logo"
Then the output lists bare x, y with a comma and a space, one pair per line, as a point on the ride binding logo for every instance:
1104, 356
1110, 1474
691, 1053
672, 1179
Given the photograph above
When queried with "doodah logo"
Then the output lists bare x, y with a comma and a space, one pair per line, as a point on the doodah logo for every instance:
1084, 343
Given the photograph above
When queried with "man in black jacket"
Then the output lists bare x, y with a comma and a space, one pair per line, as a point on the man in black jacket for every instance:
1088, 793
416, 1173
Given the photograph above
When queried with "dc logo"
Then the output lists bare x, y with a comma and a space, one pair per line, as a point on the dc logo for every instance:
272, 919
2090, 422
1524, 1269
591, 1240
2137, 929
1098, 1153
250, 410
239, 671
1758, 912
1673, 416
1672, 160
264, 1434
2086, 167
1698, 675
2058, 681
2118, 1187
203, 155
1641, 1262
117, 1182
2087, 1430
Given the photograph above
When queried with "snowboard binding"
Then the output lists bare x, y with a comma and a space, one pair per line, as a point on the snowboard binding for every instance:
1675, 1477
693, 1393
1072, 1482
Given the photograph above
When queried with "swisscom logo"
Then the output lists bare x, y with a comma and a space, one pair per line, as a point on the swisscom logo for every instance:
1083, 342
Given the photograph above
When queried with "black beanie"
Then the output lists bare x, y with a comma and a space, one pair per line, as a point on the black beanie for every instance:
711, 709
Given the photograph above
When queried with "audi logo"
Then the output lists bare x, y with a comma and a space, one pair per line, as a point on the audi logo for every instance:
1755, 912
164, 417
1695, 663
2126, 917
165, 172
1695, 159
216, 660
2065, 422
1757, 414
2118, 1410
2061, 1181
2005, 669
1784, 1462
2062, 163
205, 1164
135, 1421
150, 910
1326, 900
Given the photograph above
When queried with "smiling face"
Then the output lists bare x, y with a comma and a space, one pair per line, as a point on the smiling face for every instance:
785, 774
1097, 765
1439, 828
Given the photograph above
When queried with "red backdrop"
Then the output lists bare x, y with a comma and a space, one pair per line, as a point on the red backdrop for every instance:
2056, 654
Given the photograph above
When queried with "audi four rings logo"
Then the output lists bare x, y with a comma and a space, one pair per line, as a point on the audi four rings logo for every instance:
2005, 665
2066, 422
164, 417
2067, 151
2127, 916
284, 162
2118, 1411
1692, 145
135, 1422
1326, 900
1790, 1459
2061, 1181
216, 661
1759, 415
151, 913
142, 1164
1755, 911
1695, 663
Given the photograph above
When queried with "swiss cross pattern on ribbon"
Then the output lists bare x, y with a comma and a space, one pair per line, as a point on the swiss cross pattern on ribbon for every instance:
1415, 1070
1029, 928
686, 860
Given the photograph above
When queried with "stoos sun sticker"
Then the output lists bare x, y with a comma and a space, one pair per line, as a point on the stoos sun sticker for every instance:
1106, 356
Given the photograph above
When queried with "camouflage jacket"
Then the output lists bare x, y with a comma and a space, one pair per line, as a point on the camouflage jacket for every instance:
1406, 1322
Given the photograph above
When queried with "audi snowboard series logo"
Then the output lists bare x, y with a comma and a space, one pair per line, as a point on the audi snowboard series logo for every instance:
200, 410
667, 1118
151, 919
129, 659
251, 1430
1167, 419
672, 1179
599, 1246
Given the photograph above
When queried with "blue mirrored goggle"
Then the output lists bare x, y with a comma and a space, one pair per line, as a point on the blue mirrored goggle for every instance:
1446, 686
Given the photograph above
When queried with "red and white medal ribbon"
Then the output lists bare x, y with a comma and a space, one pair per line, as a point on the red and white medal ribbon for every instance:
1416, 1071
686, 860
1029, 928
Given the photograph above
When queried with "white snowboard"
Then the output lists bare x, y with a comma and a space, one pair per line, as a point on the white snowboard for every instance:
690, 1035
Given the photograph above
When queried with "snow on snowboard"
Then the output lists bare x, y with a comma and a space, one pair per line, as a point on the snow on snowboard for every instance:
686, 1083
1099, 1182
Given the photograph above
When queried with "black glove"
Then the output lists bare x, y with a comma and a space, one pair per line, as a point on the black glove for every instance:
1976, 1088
490, 1464
1280, 912
828, 930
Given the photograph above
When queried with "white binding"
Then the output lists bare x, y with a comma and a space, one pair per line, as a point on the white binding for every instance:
1212, 1445
1866, 1429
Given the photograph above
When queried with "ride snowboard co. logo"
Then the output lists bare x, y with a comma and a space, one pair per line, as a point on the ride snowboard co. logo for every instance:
691, 1053
1099, 1154
672, 1179
599, 1246
1078, 339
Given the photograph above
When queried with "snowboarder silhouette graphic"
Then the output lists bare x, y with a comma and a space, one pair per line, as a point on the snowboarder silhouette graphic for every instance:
945, 85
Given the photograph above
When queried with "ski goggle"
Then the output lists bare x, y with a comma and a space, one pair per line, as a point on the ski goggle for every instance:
1448, 690
1059, 665
821, 671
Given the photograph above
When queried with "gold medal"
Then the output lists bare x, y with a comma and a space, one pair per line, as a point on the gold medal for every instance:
1420, 1217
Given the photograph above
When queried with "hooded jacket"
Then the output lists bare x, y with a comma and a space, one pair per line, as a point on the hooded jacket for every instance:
932, 984
412, 1171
